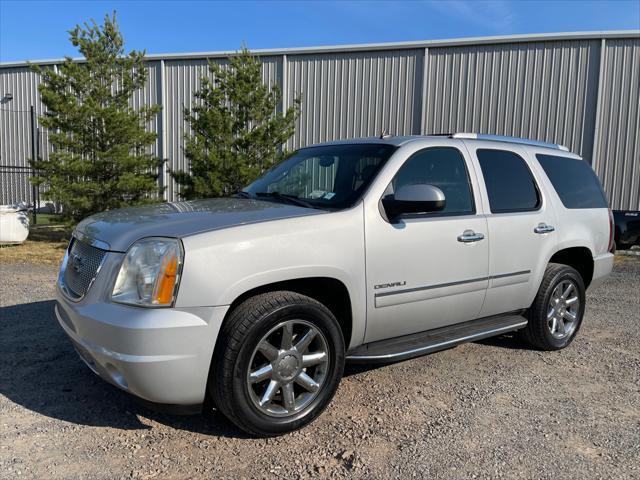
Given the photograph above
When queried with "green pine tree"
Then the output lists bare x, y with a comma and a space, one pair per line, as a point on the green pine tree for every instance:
101, 158
237, 131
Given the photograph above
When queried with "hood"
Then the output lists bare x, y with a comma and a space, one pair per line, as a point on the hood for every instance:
120, 228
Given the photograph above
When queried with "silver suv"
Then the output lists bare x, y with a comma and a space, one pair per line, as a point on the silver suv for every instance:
366, 251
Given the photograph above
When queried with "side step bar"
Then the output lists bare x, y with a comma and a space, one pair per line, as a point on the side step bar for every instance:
416, 344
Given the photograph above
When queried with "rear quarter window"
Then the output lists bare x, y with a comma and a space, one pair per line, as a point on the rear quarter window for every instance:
574, 180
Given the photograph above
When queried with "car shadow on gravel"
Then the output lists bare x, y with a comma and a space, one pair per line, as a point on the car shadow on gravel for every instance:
509, 341
40, 370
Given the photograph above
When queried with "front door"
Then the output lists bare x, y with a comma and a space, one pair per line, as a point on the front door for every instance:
429, 270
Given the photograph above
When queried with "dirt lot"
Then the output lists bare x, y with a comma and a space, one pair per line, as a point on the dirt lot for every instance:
493, 409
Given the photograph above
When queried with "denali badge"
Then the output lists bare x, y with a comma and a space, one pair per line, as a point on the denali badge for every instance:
389, 285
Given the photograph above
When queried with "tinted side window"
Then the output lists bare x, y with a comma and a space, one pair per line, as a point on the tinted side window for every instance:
575, 181
443, 167
510, 185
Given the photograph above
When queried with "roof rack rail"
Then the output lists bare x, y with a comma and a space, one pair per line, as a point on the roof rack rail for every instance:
502, 138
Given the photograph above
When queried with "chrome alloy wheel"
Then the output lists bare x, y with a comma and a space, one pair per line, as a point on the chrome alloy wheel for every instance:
282, 380
562, 313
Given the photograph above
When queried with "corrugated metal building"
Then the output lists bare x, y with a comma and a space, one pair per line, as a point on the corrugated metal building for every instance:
581, 90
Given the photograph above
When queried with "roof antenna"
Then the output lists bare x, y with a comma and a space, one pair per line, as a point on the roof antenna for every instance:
384, 134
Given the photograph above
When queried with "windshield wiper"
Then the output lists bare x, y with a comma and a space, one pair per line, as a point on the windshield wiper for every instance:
286, 197
243, 194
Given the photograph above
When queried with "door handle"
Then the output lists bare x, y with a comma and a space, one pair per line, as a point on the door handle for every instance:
469, 236
543, 228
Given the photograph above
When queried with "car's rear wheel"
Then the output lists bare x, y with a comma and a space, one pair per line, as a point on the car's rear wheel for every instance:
556, 314
277, 364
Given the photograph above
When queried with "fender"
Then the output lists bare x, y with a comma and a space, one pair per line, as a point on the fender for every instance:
356, 297
579, 243
221, 266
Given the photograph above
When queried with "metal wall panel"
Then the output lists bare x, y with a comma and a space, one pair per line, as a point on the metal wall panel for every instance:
355, 94
618, 160
15, 128
543, 91
15, 133
151, 94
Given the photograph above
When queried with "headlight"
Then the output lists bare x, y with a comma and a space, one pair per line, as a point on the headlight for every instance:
150, 273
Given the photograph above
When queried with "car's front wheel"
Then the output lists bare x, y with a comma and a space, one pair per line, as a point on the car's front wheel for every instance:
278, 362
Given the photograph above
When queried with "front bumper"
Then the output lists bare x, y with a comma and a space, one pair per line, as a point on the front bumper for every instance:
160, 355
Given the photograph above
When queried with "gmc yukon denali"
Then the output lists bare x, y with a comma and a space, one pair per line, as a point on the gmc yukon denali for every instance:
367, 251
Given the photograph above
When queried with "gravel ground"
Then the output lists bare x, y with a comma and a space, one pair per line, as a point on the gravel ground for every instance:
493, 409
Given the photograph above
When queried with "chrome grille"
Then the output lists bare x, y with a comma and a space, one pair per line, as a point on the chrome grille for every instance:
83, 262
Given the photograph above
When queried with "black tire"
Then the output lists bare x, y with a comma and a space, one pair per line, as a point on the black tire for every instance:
537, 332
245, 327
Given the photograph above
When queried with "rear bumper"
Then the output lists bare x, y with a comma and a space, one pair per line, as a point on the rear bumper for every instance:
160, 355
602, 266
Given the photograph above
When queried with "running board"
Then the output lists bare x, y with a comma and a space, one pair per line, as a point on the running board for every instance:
416, 344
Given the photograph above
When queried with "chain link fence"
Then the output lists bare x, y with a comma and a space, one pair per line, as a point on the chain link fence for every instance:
17, 186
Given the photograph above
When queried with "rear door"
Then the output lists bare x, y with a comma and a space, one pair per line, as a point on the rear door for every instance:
521, 225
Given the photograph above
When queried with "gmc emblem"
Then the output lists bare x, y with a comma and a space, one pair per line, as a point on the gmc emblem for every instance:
77, 263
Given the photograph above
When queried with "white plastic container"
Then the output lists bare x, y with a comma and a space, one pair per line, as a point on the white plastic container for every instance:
14, 224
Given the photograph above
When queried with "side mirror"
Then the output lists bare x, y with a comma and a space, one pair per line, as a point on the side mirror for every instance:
419, 198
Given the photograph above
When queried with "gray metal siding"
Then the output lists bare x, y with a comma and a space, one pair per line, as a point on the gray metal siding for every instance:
542, 91
15, 129
15, 133
150, 95
354, 95
556, 88
618, 160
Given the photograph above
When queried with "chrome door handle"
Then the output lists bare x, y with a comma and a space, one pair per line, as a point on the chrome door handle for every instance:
543, 228
469, 236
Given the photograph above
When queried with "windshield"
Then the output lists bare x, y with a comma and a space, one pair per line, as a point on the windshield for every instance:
332, 176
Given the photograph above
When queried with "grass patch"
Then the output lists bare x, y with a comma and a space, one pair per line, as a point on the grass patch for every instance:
46, 219
46, 245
